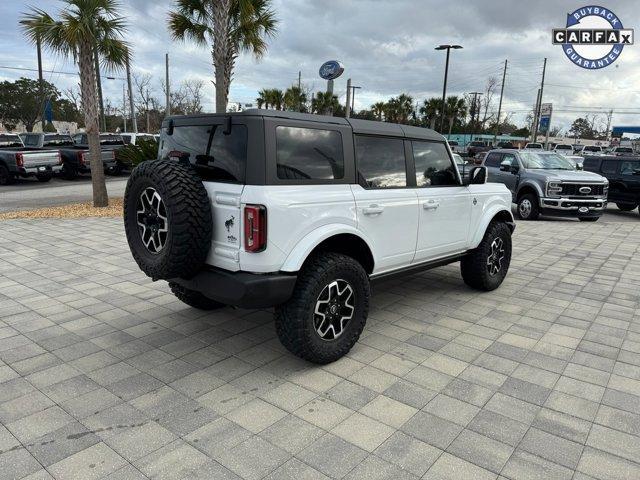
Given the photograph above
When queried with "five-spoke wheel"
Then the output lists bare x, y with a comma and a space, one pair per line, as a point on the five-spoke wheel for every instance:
151, 215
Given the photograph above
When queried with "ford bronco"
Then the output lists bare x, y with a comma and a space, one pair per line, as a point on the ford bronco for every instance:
300, 212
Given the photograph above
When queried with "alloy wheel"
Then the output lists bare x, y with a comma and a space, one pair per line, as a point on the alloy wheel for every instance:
525, 208
151, 216
494, 260
334, 309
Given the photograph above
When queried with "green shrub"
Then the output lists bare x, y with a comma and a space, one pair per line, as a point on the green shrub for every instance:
145, 149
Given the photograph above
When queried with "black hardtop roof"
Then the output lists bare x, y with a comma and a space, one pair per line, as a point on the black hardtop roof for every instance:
367, 127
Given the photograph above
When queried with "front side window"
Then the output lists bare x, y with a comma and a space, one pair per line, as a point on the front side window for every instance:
215, 156
433, 165
630, 168
511, 159
309, 154
609, 166
381, 162
493, 160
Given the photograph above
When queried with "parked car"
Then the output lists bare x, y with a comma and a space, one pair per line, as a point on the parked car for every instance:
479, 157
533, 146
51, 141
505, 145
563, 149
545, 183
591, 150
463, 166
623, 174
621, 151
76, 159
477, 147
16, 160
577, 149
300, 212
456, 147
576, 160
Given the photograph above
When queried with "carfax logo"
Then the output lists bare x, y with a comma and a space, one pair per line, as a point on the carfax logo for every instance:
593, 38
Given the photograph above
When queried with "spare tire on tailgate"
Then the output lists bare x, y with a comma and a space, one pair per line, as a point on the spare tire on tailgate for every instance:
167, 219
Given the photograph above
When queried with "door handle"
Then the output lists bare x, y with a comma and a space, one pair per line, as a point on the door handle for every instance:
431, 205
373, 209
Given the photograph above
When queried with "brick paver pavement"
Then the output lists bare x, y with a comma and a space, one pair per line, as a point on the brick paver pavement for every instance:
103, 374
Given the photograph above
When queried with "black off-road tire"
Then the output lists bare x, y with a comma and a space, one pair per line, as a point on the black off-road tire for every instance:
533, 212
6, 178
589, 219
474, 267
188, 213
194, 299
44, 178
295, 319
626, 207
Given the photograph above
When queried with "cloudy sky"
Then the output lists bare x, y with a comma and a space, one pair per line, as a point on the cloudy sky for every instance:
386, 47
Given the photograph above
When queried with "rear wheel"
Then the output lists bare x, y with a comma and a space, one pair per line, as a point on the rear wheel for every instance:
44, 178
528, 207
486, 266
328, 309
194, 299
626, 207
6, 178
69, 172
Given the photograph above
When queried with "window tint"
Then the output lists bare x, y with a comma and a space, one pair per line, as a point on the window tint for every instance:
511, 158
493, 160
630, 167
215, 156
126, 139
309, 154
381, 162
31, 140
433, 165
591, 164
57, 140
609, 166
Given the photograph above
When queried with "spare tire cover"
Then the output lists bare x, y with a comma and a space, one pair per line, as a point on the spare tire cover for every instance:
167, 219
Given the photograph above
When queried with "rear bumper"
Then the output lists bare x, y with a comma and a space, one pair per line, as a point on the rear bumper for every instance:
567, 207
39, 170
242, 289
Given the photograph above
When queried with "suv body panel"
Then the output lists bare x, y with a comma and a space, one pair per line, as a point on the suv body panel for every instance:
624, 186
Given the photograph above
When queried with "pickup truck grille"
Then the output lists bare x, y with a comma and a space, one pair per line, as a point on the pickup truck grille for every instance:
573, 190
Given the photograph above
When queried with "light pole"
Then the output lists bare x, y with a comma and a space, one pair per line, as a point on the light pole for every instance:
124, 100
444, 86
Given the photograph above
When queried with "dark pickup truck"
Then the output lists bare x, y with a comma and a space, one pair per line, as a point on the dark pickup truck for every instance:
16, 160
477, 147
76, 159
623, 173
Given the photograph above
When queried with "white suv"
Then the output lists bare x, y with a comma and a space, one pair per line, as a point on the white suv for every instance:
300, 212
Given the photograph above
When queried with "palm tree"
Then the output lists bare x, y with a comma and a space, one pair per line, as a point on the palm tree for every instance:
325, 103
399, 109
431, 109
84, 28
378, 109
295, 99
263, 98
455, 107
230, 27
276, 98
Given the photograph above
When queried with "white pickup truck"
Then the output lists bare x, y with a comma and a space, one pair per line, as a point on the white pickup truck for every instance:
16, 160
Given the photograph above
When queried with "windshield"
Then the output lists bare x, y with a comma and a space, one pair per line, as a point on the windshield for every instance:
453, 143
57, 140
533, 145
563, 147
111, 140
545, 161
10, 141
477, 144
592, 149
624, 149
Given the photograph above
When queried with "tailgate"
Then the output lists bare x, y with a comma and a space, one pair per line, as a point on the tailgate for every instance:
40, 159
105, 155
226, 213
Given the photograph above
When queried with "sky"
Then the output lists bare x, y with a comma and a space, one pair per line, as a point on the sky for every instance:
387, 48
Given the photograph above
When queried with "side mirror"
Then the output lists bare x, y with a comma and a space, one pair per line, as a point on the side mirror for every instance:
477, 176
505, 166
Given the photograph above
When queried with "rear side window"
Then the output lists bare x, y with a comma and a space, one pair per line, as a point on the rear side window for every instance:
433, 165
492, 160
591, 164
609, 166
630, 167
309, 154
381, 162
31, 140
216, 156
57, 141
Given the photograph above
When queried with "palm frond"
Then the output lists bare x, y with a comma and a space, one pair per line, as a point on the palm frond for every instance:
113, 52
183, 27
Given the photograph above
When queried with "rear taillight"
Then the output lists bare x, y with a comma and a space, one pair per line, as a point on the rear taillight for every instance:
59, 158
255, 228
19, 160
81, 157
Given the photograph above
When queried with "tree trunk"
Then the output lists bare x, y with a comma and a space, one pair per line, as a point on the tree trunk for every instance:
220, 53
90, 110
451, 120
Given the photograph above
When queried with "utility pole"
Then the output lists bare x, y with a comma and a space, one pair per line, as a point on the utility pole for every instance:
444, 85
534, 123
504, 75
124, 107
134, 121
300, 90
168, 107
40, 81
609, 117
537, 114
353, 98
474, 103
99, 85
147, 108
348, 102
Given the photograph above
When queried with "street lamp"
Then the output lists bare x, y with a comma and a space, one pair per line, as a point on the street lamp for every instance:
444, 87
353, 97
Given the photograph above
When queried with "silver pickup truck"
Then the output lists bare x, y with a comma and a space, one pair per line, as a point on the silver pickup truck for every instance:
16, 160
546, 183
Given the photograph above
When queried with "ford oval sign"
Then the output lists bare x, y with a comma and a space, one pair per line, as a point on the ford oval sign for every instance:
331, 70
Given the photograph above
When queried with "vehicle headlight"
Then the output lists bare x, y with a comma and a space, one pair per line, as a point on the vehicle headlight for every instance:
554, 189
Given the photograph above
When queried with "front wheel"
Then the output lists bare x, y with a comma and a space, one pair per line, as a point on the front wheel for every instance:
626, 207
6, 177
194, 299
327, 312
487, 265
528, 207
